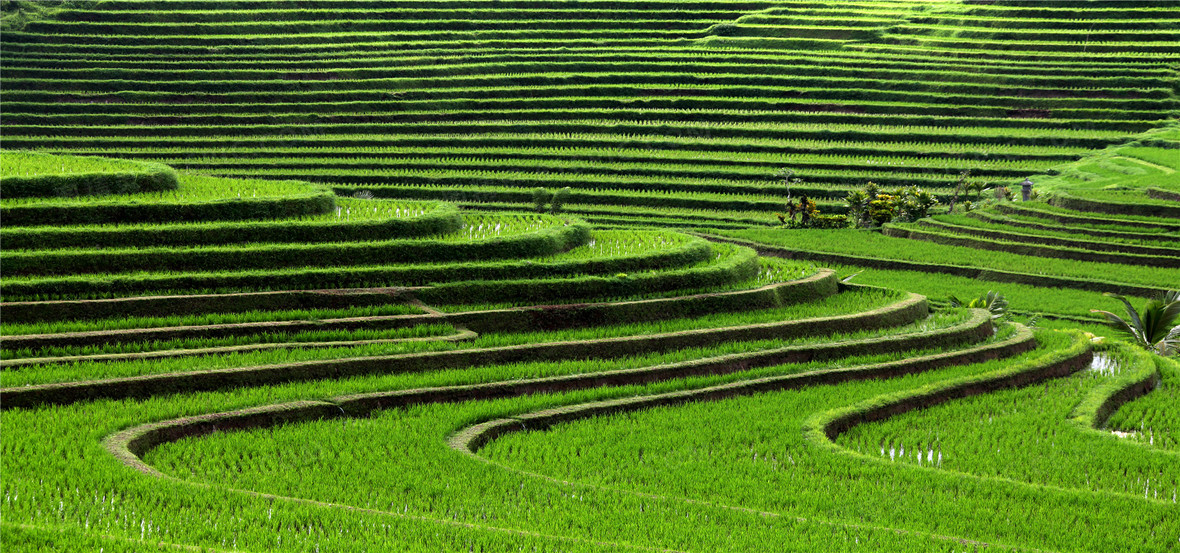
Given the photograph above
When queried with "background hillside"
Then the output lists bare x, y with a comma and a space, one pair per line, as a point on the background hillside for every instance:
653, 113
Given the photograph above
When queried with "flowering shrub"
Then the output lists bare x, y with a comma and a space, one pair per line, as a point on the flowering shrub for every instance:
872, 207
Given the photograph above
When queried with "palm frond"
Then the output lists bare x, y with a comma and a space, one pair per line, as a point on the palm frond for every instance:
1122, 325
1134, 315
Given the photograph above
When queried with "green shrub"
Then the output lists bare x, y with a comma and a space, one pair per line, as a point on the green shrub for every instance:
560, 198
872, 207
540, 198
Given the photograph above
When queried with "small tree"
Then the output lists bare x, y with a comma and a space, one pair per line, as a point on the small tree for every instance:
959, 188
978, 187
787, 175
872, 207
789, 179
807, 210
858, 208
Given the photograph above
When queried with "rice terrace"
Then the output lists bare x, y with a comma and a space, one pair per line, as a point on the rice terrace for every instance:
590, 276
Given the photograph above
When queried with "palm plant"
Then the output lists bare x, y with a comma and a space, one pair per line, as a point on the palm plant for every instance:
1154, 327
995, 304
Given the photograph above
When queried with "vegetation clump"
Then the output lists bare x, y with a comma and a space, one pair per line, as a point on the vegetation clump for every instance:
1153, 327
872, 207
554, 202
995, 304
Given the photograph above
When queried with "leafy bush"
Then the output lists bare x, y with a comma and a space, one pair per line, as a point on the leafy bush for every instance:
915, 203
872, 207
882, 208
559, 199
540, 198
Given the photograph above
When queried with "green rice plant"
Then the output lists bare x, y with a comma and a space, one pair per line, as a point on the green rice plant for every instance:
197, 199
484, 237
1071, 305
351, 220
352, 145
1028, 228
843, 303
771, 271
744, 130
675, 252
516, 405
1122, 222
1015, 244
479, 103
193, 188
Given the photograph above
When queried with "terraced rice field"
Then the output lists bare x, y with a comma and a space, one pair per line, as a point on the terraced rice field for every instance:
664, 106
302, 299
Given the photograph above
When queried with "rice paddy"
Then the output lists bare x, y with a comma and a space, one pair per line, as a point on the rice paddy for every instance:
430, 275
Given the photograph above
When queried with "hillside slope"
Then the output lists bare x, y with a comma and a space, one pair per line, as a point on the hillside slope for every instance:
651, 112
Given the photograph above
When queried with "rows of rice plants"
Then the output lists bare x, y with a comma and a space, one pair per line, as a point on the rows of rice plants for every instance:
254, 316
24, 164
847, 304
478, 376
194, 188
869, 246
1151, 418
784, 71
1028, 435
1073, 305
608, 357
371, 316
990, 222
1063, 249
156, 349
700, 347
649, 453
685, 254
253, 256
351, 219
268, 525
1119, 224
